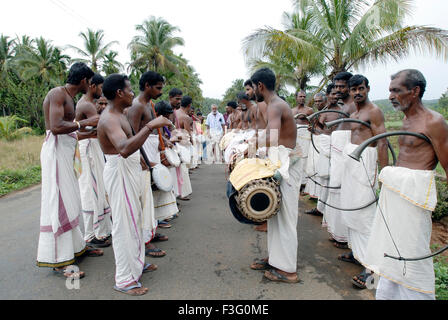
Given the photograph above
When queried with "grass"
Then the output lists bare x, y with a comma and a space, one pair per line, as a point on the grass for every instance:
20, 163
441, 274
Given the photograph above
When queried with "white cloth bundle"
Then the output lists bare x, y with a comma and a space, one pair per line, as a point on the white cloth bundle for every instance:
407, 199
123, 181
60, 239
323, 163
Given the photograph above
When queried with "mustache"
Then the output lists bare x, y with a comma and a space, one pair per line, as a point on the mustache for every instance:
358, 96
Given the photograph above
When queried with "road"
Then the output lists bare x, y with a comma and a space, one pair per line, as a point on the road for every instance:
209, 254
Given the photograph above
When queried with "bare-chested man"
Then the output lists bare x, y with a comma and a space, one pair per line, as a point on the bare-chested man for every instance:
122, 178
261, 116
234, 116
282, 229
345, 99
358, 183
101, 104
95, 207
249, 114
139, 114
301, 111
408, 195
61, 239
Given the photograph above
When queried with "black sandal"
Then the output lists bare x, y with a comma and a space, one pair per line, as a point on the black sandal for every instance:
348, 258
360, 280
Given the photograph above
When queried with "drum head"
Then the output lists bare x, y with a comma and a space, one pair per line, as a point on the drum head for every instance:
184, 154
260, 200
172, 157
162, 178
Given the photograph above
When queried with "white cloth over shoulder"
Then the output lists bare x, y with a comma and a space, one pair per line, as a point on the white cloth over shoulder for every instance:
60, 239
282, 229
358, 188
95, 207
123, 181
407, 199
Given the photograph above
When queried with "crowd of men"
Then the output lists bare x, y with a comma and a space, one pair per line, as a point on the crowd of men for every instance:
124, 140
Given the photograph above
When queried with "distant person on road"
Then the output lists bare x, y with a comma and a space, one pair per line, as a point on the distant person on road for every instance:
215, 131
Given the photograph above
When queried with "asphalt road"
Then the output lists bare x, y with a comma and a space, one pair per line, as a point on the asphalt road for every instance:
209, 254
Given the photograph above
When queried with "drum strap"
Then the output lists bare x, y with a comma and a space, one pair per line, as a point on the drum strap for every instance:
162, 144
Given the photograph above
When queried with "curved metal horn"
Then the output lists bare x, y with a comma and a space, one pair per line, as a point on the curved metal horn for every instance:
338, 121
358, 151
314, 115
302, 126
301, 116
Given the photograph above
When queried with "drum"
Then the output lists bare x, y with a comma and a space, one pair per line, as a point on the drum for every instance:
162, 178
172, 157
260, 200
184, 153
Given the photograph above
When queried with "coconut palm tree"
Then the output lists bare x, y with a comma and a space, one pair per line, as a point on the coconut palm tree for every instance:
95, 50
44, 62
6, 56
152, 49
110, 64
348, 34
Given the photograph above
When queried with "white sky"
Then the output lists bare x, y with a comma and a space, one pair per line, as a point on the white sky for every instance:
213, 32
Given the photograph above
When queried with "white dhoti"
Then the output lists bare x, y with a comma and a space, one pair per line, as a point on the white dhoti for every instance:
164, 203
358, 188
123, 181
213, 150
311, 187
303, 143
282, 229
323, 171
406, 201
149, 222
60, 239
95, 207
333, 217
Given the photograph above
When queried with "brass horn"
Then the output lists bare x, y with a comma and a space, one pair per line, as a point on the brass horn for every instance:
338, 121
356, 155
314, 115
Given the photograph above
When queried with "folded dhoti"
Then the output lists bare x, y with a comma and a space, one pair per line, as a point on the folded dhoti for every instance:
358, 188
282, 228
323, 170
60, 239
406, 201
311, 187
149, 222
333, 217
123, 181
95, 207
303, 144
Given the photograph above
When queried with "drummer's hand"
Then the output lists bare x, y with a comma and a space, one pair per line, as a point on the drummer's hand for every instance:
159, 122
143, 164
169, 144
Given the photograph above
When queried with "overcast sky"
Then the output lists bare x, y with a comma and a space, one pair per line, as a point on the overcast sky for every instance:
213, 32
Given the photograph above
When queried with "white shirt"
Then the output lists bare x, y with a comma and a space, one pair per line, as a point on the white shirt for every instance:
215, 123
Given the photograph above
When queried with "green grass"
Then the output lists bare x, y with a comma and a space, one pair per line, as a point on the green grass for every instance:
12, 180
441, 273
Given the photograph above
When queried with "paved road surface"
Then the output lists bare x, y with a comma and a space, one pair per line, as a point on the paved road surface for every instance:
209, 254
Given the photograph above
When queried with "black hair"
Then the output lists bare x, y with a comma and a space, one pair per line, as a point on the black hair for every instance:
242, 96
357, 80
97, 79
343, 76
232, 104
248, 83
300, 91
112, 84
199, 113
163, 108
175, 92
186, 101
413, 78
150, 77
78, 72
330, 87
265, 76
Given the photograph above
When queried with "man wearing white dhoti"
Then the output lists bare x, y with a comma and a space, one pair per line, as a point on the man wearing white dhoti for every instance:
95, 207
61, 239
402, 224
311, 188
359, 179
215, 129
123, 181
282, 229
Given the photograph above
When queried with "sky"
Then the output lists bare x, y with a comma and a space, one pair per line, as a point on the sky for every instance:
213, 32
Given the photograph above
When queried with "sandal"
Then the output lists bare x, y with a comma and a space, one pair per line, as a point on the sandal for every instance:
274, 275
159, 238
69, 275
340, 245
99, 243
150, 268
129, 291
348, 258
261, 265
155, 252
360, 280
92, 252
164, 225
314, 212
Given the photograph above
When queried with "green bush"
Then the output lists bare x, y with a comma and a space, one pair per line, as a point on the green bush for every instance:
442, 203
441, 274
11, 180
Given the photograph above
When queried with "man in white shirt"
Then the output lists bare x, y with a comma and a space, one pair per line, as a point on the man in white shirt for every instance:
215, 128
